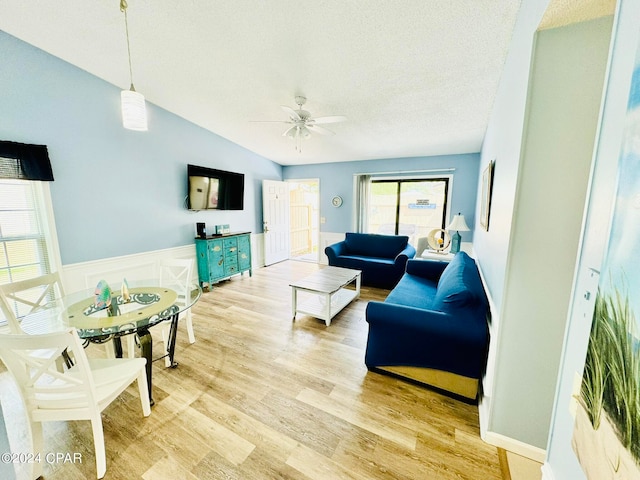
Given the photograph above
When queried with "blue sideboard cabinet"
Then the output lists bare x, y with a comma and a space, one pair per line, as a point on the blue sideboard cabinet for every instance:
222, 256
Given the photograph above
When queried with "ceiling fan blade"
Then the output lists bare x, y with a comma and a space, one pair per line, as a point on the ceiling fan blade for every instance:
329, 119
269, 121
291, 112
320, 130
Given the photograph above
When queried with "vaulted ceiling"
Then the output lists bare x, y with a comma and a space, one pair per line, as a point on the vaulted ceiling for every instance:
414, 77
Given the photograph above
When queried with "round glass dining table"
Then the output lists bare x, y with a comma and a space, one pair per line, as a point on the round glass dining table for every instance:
132, 311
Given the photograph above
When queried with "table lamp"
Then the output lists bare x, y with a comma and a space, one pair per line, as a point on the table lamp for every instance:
459, 225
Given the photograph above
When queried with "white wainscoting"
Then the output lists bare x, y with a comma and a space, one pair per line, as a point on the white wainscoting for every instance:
257, 250
326, 239
139, 266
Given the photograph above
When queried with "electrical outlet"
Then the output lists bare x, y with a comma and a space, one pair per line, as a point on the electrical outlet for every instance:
323, 220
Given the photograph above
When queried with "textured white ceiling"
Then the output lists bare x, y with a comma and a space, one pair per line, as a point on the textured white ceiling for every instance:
414, 77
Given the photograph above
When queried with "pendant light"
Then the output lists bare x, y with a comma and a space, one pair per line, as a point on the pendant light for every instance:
134, 111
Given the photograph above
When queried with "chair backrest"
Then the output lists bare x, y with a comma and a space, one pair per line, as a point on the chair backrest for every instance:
176, 274
422, 245
20, 298
48, 392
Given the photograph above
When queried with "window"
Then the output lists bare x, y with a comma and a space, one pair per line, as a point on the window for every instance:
411, 207
25, 242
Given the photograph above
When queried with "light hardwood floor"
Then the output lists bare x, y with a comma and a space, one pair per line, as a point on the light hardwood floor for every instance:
261, 397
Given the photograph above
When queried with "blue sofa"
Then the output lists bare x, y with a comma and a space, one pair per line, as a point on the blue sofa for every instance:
382, 258
432, 327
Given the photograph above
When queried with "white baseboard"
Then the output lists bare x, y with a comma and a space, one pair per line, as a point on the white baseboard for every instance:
547, 472
515, 446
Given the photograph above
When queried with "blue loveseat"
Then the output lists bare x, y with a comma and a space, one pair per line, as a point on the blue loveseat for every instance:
432, 327
382, 258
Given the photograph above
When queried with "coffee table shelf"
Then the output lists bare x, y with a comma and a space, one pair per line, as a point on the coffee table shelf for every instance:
323, 294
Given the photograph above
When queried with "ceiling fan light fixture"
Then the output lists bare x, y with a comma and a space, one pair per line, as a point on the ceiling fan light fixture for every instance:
302, 124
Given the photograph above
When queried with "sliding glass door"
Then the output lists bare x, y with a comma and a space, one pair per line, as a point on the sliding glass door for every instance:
407, 207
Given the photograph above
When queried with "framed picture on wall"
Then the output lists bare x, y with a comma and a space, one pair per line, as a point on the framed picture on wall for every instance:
485, 201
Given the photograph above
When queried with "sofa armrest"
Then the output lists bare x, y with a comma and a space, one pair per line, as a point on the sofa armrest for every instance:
408, 252
335, 250
431, 269
411, 320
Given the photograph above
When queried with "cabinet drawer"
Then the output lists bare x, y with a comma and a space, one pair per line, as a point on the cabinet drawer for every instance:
230, 269
231, 260
230, 252
230, 242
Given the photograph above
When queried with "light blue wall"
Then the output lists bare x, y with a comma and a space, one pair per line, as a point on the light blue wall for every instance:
337, 179
116, 192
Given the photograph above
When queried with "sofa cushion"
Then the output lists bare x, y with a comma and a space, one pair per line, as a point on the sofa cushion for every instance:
413, 291
357, 259
455, 287
373, 245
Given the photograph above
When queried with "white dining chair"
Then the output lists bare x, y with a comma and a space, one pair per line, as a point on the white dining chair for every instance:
81, 392
175, 273
20, 298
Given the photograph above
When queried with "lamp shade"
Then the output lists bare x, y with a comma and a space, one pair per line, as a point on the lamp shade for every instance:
458, 224
134, 111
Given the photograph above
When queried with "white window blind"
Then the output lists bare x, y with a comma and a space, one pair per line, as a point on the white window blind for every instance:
25, 246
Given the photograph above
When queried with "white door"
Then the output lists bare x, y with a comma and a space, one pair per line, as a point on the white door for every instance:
275, 217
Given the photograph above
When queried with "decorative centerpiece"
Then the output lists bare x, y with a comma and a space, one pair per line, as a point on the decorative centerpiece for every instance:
438, 239
102, 295
126, 297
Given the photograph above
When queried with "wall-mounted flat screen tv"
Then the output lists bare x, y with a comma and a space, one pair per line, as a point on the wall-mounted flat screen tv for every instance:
211, 189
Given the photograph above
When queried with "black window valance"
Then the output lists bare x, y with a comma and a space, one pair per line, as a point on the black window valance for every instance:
24, 161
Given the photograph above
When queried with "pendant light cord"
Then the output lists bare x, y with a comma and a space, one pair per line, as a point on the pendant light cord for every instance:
123, 8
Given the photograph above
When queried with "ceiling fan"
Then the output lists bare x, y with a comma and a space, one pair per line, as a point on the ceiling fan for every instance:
303, 124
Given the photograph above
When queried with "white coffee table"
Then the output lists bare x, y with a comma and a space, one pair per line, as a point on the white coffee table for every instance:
324, 292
